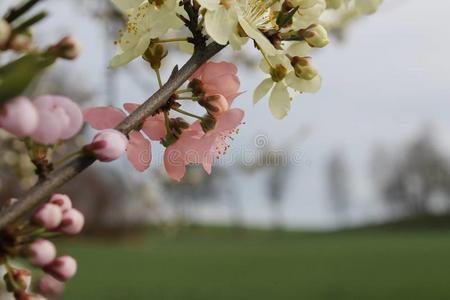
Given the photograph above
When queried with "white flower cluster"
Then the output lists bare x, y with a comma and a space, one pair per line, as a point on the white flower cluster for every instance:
284, 32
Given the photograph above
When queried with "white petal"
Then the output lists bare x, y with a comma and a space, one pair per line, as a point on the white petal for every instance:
262, 89
218, 25
280, 101
302, 85
127, 4
209, 4
367, 7
265, 45
301, 49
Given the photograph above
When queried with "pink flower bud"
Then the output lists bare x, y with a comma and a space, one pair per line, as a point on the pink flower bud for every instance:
20, 42
62, 268
62, 201
108, 145
42, 252
72, 222
19, 117
49, 286
216, 104
49, 216
67, 48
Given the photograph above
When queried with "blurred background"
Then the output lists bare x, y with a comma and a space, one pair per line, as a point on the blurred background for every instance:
346, 198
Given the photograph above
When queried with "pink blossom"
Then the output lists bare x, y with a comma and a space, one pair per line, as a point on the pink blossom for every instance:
19, 117
196, 147
72, 222
42, 252
49, 286
108, 145
219, 78
62, 201
48, 216
138, 148
62, 268
59, 119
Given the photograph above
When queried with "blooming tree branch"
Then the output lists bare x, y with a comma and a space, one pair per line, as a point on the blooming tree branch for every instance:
38, 194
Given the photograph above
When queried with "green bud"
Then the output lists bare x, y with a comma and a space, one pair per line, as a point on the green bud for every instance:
316, 36
303, 68
278, 73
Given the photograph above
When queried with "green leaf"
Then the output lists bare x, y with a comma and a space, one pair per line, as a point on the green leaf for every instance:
16, 76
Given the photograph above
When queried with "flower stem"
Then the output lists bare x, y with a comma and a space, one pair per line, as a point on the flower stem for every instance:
181, 111
172, 40
167, 121
267, 59
158, 76
67, 157
182, 91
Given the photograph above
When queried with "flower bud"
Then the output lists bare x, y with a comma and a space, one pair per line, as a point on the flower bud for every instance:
72, 222
67, 48
48, 216
21, 42
5, 33
303, 68
42, 252
19, 117
278, 73
154, 54
215, 104
316, 36
49, 286
62, 201
62, 268
108, 145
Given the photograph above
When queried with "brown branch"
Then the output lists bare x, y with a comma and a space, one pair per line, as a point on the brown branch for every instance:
42, 190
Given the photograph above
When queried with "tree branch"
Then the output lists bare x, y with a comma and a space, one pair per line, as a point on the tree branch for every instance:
42, 190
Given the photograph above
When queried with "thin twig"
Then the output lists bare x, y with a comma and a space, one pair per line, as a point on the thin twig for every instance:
42, 190
17, 12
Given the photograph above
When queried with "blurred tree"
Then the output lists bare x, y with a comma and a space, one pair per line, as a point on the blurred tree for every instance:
337, 179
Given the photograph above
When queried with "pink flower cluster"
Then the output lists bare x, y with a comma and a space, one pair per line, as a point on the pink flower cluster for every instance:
46, 120
56, 216
216, 85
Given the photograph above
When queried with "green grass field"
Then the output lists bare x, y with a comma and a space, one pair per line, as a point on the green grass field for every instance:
214, 264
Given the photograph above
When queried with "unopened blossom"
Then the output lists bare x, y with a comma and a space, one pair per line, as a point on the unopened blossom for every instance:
5, 32
215, 104
62, 268
20, 42
22, 278
19, 117
67, 48
217, 78
146, 21
139, 148
59, 119
50, 286
63, 201
316, 36
42, 252
49, 216
283, 76
108, 145
72, 222
308, 13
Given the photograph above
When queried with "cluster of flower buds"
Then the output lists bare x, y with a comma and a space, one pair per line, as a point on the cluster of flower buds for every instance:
55, 217
214, 87
46, 120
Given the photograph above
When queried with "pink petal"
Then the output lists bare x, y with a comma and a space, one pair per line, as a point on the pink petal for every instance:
50, 126
105, 117
139, 151
226, 85
130, 107
228, 121
213, 70
155, 127
174, 162
199, 73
